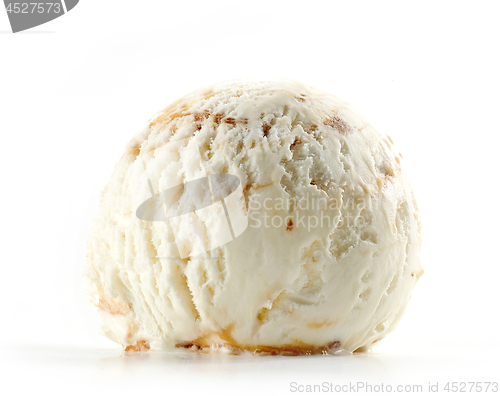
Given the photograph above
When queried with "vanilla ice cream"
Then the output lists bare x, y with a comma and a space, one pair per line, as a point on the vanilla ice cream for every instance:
265, 216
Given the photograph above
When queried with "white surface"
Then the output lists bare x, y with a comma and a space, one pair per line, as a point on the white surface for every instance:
425, 74
100, 371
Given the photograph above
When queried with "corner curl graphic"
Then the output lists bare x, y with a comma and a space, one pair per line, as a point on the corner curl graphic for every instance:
26, 14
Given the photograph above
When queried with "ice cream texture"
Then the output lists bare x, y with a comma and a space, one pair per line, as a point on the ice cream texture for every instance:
323, 249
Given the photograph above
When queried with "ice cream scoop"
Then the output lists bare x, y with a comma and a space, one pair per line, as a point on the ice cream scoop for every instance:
265, 216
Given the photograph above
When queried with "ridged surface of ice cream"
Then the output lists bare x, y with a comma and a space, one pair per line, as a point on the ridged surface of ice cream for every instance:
331, 249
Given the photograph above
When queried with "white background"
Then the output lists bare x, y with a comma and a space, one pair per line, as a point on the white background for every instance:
75, 90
